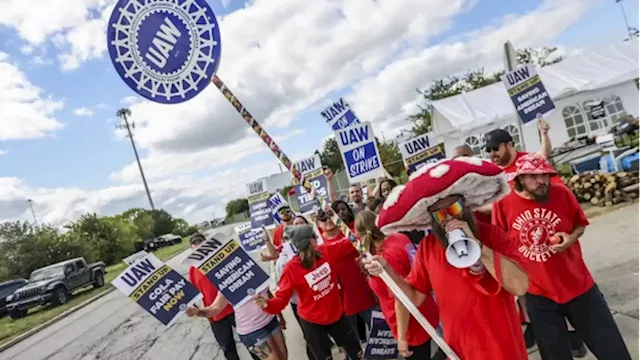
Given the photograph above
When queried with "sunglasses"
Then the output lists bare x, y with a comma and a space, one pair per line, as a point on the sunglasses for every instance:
284, 211
490, 149
454, 209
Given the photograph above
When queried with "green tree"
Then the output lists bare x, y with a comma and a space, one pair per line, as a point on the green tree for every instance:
330, 155
108, 239
237, 206
24, 248
141, 220
162, 222
391, 158
471, 80
180, 227
539, 57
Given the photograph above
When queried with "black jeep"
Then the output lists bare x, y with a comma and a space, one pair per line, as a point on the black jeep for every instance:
54, 284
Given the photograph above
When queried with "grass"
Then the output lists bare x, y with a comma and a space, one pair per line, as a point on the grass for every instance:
10, 328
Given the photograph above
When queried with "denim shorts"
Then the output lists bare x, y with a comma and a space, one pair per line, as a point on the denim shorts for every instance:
260, 336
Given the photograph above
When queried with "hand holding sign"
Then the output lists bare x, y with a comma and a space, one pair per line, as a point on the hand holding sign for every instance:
543, 126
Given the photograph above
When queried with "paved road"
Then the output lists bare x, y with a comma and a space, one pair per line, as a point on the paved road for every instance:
114, 328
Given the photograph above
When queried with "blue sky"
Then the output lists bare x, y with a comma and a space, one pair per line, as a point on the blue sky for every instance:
86, 151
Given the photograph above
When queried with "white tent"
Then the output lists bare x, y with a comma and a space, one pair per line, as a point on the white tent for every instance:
603, 73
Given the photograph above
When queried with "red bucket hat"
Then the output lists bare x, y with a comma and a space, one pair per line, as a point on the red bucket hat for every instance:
406, 208
534, 164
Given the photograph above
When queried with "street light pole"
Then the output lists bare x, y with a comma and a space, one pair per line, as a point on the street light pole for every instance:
35, 220
123, 113
630, 31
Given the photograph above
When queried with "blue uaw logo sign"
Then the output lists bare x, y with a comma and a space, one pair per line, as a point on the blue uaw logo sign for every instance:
165, 50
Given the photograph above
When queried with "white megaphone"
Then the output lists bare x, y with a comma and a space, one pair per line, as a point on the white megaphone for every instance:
462, 252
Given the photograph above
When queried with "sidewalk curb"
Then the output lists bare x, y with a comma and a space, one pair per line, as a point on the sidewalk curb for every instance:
51, 321
19, 338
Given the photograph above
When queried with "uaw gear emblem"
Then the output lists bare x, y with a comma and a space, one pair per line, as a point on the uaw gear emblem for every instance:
251, 292
165, 50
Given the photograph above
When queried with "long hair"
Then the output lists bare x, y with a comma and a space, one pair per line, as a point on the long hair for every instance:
392, 184
308, 256
369, 233
374, 203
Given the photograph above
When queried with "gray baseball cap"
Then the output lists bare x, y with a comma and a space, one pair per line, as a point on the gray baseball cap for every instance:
299, 235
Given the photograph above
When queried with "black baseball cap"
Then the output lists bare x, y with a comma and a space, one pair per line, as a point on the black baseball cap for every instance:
198, 236
495, 137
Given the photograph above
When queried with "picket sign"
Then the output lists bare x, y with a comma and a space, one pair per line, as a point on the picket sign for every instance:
259, 207
528, 94
400, 295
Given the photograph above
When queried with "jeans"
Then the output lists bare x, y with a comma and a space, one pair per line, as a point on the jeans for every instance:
590, 316
365, 317
223, 332
340, 331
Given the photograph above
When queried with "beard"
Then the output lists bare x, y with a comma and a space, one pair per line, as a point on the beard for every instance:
441, 234
541, 197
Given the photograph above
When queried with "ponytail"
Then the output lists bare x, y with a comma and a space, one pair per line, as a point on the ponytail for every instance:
369, 233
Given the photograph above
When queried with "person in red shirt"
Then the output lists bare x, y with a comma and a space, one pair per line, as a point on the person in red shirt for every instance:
476, 305
546, 221
501, 149
223, 323
357, 298
286, 219
312, 276
398, 251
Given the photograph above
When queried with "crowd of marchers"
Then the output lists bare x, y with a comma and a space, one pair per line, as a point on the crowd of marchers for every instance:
530, 286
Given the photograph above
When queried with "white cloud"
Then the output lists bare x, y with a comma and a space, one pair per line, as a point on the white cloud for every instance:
83, 111
312, 48
4, 152
388, 97
225, 3
193, 199
25, 112
130, 100
27, 50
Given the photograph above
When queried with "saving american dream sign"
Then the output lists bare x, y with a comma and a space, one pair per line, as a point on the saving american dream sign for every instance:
381, 344
359, 152
339, 115
259, 204
234, 273
311, 168
250, 239
527, 93
165, 50
157, 288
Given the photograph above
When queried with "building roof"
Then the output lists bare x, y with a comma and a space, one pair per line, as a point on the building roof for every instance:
595, 68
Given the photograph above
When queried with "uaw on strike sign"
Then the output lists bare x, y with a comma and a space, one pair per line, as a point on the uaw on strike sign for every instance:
359, 152
157, 288
230, 269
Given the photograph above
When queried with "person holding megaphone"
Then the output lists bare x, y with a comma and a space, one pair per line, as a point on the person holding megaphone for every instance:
469, 265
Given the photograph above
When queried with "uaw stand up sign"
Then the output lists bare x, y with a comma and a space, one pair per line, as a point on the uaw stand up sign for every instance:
166, 51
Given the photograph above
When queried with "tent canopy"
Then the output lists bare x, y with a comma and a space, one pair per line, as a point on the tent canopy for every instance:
594, 68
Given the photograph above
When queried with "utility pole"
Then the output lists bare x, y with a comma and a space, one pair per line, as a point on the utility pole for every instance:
124, 114
632, 32
35, 220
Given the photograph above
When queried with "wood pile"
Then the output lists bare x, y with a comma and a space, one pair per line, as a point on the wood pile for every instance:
604, 189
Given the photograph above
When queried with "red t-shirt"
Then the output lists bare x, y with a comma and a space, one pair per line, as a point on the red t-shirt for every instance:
209, 292
478, 316
511, 171
558, 276
356, 293
318, 295
277, 236
482, 217
399, 252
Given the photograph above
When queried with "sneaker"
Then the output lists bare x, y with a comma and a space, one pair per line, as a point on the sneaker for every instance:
529, 340
578, 350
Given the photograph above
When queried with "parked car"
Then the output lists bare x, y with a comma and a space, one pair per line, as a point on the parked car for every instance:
54, 284
7, 288
147, 245
168, 239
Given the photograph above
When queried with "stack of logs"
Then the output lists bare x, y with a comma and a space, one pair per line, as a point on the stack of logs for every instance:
604, 189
